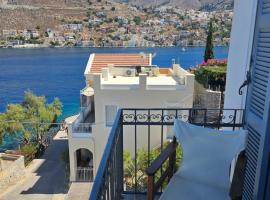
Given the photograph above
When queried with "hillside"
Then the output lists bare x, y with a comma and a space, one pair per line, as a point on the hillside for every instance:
108, 23
46, 3
184, 4
28, 14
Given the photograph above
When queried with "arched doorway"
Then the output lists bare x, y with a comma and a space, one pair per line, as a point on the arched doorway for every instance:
84, 165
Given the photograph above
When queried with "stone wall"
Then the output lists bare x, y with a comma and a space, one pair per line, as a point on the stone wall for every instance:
12, 169
209, 99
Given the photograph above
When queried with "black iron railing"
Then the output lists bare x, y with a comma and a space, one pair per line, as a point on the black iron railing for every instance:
108, 183
116, 177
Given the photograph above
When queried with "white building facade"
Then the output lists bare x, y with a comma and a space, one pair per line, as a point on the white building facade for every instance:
116, 81
240, 52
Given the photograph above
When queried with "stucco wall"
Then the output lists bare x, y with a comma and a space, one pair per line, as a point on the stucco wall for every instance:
239, 52
137, 98
141, 96
74, 145
12, 169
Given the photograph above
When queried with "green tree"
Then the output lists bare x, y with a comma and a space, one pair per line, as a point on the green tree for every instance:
209, 52
31, 119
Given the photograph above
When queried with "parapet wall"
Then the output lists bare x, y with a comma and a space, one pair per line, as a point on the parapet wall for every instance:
12, 170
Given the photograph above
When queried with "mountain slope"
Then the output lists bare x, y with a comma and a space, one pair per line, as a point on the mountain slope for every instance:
45, 3
185, 4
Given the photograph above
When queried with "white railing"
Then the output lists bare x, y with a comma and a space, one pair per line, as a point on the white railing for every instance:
81, 128
84, 174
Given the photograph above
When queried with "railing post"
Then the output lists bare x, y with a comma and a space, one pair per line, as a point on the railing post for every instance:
121, 154
150, 187
172, 161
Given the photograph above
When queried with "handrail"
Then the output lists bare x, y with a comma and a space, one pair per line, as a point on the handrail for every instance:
169, 153
106, 158
109, 178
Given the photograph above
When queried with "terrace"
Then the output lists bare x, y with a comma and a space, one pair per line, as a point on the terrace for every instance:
147, 77
116, 180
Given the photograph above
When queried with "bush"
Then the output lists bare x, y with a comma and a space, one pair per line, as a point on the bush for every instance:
142, 165
29, 152
212, 73
28, 149
215, 62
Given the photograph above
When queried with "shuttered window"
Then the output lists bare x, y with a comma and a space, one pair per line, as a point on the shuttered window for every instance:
261, 73
257, 110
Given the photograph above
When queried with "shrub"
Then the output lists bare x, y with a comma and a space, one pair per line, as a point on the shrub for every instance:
28, 149
215, 62
142, 165
212, 74
29, 152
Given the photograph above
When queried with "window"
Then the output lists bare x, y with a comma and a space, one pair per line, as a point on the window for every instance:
110, 112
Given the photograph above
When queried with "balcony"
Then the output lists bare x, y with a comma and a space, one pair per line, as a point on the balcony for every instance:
82, 126
116, 179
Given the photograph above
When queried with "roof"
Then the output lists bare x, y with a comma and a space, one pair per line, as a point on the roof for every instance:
165, 71
100, 61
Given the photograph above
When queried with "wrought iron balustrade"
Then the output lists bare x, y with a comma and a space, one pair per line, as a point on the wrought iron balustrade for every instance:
112, 178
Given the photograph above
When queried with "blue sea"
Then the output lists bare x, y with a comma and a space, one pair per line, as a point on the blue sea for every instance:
58, 72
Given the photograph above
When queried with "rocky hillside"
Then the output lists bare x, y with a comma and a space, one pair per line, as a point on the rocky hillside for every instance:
29, 14
185, 4
47, 3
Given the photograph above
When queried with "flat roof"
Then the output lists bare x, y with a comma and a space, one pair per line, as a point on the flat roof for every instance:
158, 80
99, 61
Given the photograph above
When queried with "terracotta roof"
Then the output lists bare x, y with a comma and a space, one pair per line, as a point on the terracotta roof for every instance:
101, 61
165, 71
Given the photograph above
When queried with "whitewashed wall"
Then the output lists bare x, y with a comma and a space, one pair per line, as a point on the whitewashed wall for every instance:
240, 51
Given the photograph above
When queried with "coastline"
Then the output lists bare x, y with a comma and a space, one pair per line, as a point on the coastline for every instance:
38, 46
58, 72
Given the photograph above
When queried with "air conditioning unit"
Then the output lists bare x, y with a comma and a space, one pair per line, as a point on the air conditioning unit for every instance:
131, 72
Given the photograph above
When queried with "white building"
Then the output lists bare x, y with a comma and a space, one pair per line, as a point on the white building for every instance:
121, 81
240, 52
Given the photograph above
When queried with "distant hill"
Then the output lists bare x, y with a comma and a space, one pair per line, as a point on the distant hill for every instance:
28, 14
42, 3
185, 4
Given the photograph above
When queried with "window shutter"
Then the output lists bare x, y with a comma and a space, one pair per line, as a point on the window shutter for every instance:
257, 109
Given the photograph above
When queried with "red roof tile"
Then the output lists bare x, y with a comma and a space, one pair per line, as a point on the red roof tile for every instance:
101, 61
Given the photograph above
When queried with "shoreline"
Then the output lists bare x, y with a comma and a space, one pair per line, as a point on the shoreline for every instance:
86, 47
